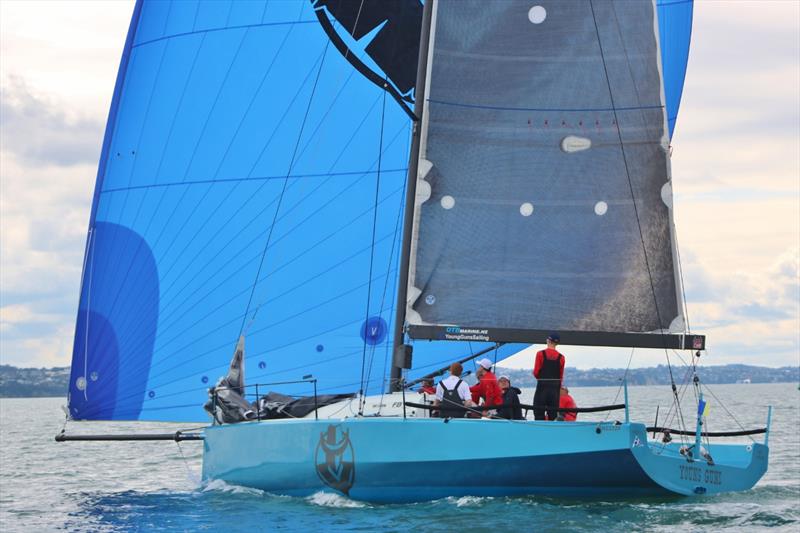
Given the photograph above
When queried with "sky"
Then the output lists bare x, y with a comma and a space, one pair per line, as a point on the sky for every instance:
735, 167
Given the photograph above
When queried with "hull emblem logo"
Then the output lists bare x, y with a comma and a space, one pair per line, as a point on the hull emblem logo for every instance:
335, 459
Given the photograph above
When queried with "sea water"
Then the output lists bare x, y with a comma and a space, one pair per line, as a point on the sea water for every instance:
146, 486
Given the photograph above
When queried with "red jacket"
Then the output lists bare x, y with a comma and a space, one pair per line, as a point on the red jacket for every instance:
488, 389
567, 402
551, 354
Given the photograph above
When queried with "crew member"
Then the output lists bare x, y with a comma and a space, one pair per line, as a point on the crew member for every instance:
548, 371
452, 394
427, 387
487, 387
566, 402
511, 408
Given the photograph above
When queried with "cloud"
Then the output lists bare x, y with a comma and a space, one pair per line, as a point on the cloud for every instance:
39, 132
47, 169
753, 313
59, 63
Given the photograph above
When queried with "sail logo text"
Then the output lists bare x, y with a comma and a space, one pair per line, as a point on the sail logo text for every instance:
699, 475
456, 333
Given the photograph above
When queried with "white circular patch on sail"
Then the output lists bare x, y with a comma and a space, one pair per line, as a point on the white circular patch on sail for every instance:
93, 376
526, 209
448, 202
80, 383
537, 14
666, 194
430, 299
677, 325
600, 208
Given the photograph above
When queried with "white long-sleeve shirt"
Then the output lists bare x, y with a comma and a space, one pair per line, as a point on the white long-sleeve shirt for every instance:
450, 382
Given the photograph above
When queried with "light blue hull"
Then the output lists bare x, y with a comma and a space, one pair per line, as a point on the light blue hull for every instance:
396, 460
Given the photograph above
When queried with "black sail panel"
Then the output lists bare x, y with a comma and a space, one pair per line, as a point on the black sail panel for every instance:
544, 196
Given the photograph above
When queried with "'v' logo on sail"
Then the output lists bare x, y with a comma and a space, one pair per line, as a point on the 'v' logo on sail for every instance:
335, 459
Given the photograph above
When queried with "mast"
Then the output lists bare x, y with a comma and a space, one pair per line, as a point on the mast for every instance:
411, 193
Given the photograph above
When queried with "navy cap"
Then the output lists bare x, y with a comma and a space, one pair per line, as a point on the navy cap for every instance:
555, 337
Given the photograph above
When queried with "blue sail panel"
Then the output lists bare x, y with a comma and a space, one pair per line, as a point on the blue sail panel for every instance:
243, 144
675, 33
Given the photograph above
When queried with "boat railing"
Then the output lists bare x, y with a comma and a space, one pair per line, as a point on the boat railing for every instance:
257, 388
481, 409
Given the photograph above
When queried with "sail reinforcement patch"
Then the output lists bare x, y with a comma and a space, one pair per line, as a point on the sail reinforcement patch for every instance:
526, 209
537, 14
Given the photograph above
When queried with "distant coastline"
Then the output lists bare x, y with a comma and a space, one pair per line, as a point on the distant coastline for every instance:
33, 382
659, 375
48, 382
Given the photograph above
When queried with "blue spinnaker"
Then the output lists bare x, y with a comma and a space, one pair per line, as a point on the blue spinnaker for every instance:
675, 33
243, 142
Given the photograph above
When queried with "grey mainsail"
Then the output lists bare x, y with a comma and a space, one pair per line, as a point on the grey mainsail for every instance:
543, 194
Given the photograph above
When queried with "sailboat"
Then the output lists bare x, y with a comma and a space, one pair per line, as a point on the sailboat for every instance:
356, 193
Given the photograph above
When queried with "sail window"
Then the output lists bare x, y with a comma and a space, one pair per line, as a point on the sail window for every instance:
537, 14
526, 209
448, 202
600, 208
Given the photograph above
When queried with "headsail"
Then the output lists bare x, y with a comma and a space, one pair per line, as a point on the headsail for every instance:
234, 124
544, 196
675, 33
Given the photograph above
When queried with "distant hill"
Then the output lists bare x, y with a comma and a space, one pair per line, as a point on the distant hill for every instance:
39, 382
598, 377
33, 382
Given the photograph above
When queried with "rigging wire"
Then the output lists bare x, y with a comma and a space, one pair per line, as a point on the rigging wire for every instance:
633, 198
389, 269
372, 257
683, 285
194, 477
280, 197
624, 377
706, 388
